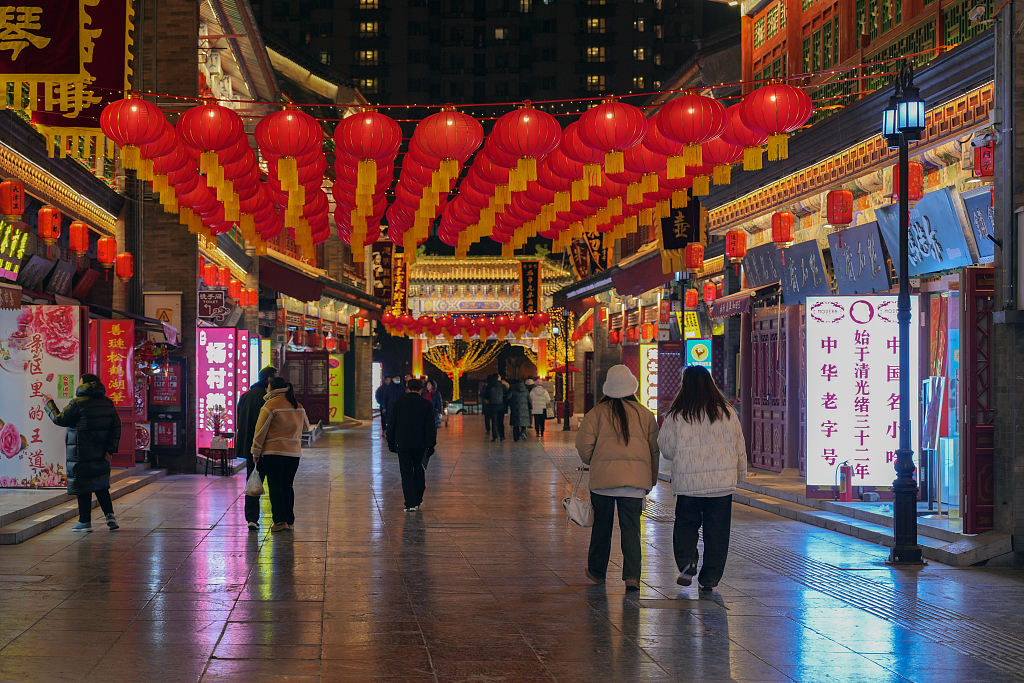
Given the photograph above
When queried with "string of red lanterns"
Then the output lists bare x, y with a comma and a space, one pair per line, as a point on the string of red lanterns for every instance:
482, 326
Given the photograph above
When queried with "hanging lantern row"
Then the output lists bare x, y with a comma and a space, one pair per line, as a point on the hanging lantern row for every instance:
249, 297
482, 326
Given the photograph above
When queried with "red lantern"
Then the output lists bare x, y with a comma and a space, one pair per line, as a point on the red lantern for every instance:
736, 245
124, 266
12, 200
370, 137
693, 257
483, 326
252, 297
839, 207
49, 224
329, 343
612, 127
406, 323
984, 161
131, 123
78, 238
615, 337
915, 182
527, 134
223, 276
783, 228
722, 155
235, 289
449, 136
425, 322
776, 109
106, 251
692, 298
737, 133
692, 119
286, 135
710, 292
210, 275
209, 128
388, 319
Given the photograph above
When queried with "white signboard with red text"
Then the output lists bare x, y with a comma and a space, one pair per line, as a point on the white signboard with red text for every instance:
40, 353
215, 382
853, 387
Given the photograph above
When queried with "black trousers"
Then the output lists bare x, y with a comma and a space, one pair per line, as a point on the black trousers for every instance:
85, 505
497, 423
252, 503
518, 432
538, 423
383, 421
414, 482
715, 515
487, 419
601, 534
280, 473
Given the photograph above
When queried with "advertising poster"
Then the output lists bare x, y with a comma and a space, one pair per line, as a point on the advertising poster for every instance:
215, 383
336, 363
166, 386
116, 355
853, 384
698, 352
40, 352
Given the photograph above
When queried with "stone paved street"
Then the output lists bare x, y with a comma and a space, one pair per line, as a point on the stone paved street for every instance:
484, 584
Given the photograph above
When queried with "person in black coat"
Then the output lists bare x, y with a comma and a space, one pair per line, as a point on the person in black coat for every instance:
412, 433
246, 416
94, 430
381, 395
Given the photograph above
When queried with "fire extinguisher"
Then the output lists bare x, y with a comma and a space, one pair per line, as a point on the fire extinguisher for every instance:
845, 486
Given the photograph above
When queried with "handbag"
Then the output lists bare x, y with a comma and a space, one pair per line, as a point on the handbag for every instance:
254, 485
580, 512
549, 411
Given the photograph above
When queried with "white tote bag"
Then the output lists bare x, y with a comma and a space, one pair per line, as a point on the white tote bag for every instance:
580, 511
254, 485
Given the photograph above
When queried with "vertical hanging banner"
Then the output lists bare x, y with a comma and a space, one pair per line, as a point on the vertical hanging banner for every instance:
580, 252
529, 287
40, 353
399, 285
853, 392
241, 364
90, 38
380, 265
116, 359
215, 382
682, 226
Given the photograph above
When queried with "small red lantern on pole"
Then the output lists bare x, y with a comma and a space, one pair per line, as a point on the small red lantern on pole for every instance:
839, 207
984, 161
692, 298
693, 257
736, 245
915, 182
12, 200
78, 238
210, 275
223, 276
783, 228
106, 251
710, 292
124, 266
235, 290
49, 224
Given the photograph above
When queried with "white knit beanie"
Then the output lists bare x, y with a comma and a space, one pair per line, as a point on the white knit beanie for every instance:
620, 382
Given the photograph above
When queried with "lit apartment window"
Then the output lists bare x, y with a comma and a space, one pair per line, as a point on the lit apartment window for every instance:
325, 58
524, 6
638, 82
369, 86
501, 34
657, 59
368, 29
595, 83
595, 26
367, 57
640, 54
595, 54
638, 24
657, 85
658, 33
368, 4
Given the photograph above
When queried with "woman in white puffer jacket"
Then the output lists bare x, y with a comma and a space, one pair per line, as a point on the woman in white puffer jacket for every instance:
702, 438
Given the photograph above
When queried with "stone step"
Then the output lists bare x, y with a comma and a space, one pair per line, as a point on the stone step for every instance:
37, 522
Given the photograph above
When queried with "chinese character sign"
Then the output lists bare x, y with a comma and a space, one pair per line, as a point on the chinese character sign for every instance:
40, 353
853, 385
683, 226
116, 359
860, 265
242, 365
937, 239
529, 286
166, 386
981, 216
399, 285
215, 382
803, 273
380, 268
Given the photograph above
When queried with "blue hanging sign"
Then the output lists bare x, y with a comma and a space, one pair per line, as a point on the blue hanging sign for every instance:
858, 260
981, 216
937, 239
803, 273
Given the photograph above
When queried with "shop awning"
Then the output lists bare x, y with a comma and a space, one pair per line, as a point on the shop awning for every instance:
640, 275
353, 296
143, 323
289, 281
734, 304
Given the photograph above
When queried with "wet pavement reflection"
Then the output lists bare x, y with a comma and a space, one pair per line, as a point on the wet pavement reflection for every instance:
484, 584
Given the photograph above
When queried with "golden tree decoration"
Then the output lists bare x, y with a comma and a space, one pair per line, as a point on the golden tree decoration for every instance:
458, 357
556, 342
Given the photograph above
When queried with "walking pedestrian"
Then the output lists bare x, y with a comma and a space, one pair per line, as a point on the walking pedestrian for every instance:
619, 440
246, 417
412, 434
485, 404
540, 400
277, 447
495, 395
381, 397
433, 394
703, 439
519, 410
94, 430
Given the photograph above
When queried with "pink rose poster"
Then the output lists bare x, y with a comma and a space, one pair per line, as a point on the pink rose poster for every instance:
40, 351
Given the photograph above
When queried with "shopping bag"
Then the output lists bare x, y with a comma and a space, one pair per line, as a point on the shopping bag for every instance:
254, 485
580, 511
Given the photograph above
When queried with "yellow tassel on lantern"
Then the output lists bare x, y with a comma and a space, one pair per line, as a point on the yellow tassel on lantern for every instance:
752, 158
516, 180
633, 195
693, 155
603, 216
630, 225
662, 209
590, 223
723, 174
526, 167
646, 217
577, 230
649, 183
592, 174
615, 206
563, 201
231, 212
366, 173
450, 168
614, 162
580, 191
679, 199
701, 186
247, 224
145, 170
778, 147
208, 163
676, 168
288, 173
502, 196
129, 156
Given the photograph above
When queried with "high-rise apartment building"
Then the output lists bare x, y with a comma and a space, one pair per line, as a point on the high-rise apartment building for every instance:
461, 51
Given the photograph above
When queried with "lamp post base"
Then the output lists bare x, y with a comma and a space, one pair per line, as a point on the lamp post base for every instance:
904, 509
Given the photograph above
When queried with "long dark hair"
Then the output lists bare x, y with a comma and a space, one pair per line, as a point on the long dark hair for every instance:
281, 383
700, 397
621, 422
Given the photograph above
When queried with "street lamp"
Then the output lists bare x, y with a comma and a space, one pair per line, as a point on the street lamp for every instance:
902, 123
566, 394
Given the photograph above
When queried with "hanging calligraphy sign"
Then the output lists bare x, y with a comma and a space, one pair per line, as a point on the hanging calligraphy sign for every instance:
684, 226
858, 260
380, 268
936, 236
399, 285
529, 287
803, 273
116, 356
